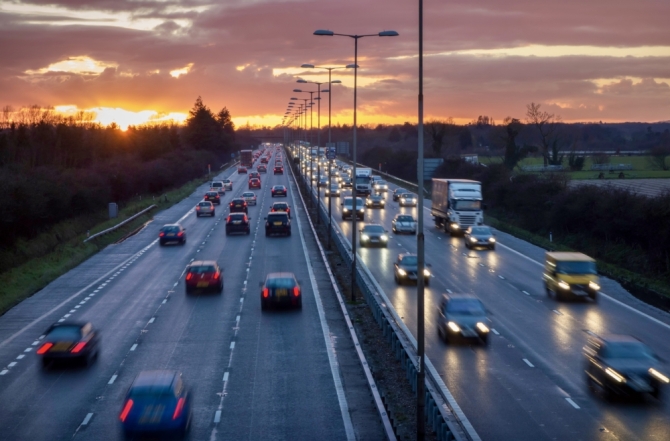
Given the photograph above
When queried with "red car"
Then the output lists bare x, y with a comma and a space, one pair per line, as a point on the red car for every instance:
204, 274
241, 170
262, 169
279, 170
254, 183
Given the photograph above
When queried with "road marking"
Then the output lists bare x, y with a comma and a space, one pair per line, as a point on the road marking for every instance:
72, 310
237, 319
495, 332
113, 379
87, 419
217, 416
572, 403
501, 277
61, 320
450, 291
133, 347
526, 292
528, 363
164, 301
557, 312
20, 357
3, 372
12, 364
175, 283
152, 319
77, 306
232, 345
241, 299
36, 342
82, 302
67, 315
225, 376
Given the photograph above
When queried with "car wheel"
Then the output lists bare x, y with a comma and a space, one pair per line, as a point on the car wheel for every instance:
440, 333
197, 215
426, 282
264, 305
213, 213
267, 233
248, 231
183, 241
220, 289
289, 233
227, 232
656, 392
493, 247
188, 290
594, 296
397, 280
46, 364
485, 339
299, 305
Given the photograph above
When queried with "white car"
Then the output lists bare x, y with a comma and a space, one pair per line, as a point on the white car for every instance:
381, 186
219, 187
403, 223
407, 200
249, 197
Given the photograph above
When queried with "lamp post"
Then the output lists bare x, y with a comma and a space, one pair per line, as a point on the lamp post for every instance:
324, 32
311, 130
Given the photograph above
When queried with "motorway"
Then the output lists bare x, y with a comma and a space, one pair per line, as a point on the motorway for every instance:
281, 375
529, 383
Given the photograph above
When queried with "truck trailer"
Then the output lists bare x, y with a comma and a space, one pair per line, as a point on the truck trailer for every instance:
246, 158
457, 204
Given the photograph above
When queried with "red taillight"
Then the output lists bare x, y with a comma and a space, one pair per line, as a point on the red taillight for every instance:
178, 409
266, 293
296, 291
189, 276
126, 410
180, 234
228, 219
78, 347
216, 276
45, 347
161, 234
198, 208
245, 204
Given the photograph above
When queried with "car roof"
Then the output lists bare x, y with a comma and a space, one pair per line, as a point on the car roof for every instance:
203, 263
454, 296
68, 324
279, 275
276, 186
619, 338
159, 378
237, 199
569, 256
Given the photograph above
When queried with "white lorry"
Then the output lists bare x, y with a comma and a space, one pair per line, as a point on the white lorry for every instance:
457, 204
363, 181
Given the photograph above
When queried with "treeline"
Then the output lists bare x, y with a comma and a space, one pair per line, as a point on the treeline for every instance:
51, 170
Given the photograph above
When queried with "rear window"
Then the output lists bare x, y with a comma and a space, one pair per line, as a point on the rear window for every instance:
410, 260
283, 282
65, 333
202, 269
152, 392
170, 229
280, 206
212, 194
277, 217
237, 216
205, 204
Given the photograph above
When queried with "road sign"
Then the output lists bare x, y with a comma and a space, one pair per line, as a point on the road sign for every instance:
331, 153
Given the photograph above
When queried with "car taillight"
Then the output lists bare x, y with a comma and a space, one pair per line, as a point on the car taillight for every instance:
180, 234
266, 293
216, 276
189, 276
178, 409
126, 410
245, 204
78, 347
296, 291
45, 347
228, 219
161, 234
198, 208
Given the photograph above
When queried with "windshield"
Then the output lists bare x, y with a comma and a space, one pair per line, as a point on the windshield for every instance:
627, 350
381, 183
481, 230
373, 229
349, 202
467, 205
465, 307
362, 179
410, 260
407, 195
405, 219
170, 229
576, 267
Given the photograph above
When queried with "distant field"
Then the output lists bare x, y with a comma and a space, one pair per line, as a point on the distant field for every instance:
642, 168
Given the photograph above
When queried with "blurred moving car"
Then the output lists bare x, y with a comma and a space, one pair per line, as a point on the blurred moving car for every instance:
568, 274
281, 289
238, 205
250, 197
219, 187
621, 365
241, 170
406, 268
407, 200
278, 169
479, 237
277, 223
205, 275
254, 174
397, 192
375, 201
281, 207
262, 168
334, 190
279, 190
205, 208
69, 341
462, 316
237, 223
373, 234
380, 186
323, 181
157, 402
172, 233
213, 197
403, 223
346, 182
254, 183
348, 208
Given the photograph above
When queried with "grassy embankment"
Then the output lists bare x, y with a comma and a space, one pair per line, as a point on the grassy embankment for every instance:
62, 247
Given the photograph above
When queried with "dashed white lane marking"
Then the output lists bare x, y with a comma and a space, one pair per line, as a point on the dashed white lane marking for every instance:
175, 283
495, 332
20, 357
61, 320
528, 362
225, 376
36, 342
557, 312
242, 300
164, 301
232, 345
67, 315
450, 291
501, 277
217, 416
572, 403
87, 419
12, 364
526, 292
133, 347
77, 306
113, 379
3, 372
152, 319
72, 310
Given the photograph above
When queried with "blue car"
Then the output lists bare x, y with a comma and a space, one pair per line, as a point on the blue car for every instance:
158, 402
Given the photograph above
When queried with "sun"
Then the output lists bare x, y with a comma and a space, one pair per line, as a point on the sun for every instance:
125, 118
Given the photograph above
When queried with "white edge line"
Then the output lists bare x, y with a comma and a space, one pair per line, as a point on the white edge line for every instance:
528, 362
87, 419
225, 376
113, 379
572, 403
133, 347
217, 416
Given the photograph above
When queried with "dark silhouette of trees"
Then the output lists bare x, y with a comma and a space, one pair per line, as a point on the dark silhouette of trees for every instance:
513, 152
547, 125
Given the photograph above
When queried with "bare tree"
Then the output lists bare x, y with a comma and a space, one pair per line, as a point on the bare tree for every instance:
435, 131
547, 125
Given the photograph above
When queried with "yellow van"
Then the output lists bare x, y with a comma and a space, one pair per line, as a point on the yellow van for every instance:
570, 275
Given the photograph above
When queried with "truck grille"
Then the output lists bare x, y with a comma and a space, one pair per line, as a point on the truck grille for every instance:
468, 220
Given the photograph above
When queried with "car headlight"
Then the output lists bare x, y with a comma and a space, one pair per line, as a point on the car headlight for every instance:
659, 376
563, 285
454, 327
365, 237
345, 210
482, 327
594, 286
426, 273
473, 239
492, 239
454, 225
361, 210
384, 237
615, 375
403, 200
402, 272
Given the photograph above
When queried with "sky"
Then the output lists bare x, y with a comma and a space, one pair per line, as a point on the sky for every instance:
133, 61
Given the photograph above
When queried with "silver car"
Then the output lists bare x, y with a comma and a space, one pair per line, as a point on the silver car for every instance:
479, 237
407, 200
403, 223
334, 190
462, 316
228, 184
381, 186
205, 208
250, 197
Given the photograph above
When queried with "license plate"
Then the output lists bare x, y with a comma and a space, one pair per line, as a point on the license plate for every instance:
170, 234
374, 240
203, 284
277, 223
281, 293
62, 346
237, 222
469, 333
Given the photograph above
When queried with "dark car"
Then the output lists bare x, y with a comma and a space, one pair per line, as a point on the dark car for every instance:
158, 402
374, 235
406, 267
279, 170
403, 223
172, 233
203, 275
237, 223
69, 341
279, 190
322, 182
262, 168
264, 160
281, 289
397, 192
479, 237
281, 207
213, 197
254, 183
277, 223
346, 183
375, 201
254, 175
238, 205
621, 365
462, 316
241, 170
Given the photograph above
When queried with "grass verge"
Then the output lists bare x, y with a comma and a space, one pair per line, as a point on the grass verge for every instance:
22, 281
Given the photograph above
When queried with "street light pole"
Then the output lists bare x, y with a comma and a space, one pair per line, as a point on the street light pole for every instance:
420, 251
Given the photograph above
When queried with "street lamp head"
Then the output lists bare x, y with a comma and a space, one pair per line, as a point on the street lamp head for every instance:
300, 80
352, 66
388, 34
324, 32
294, 99
325, 91
307, 66
336, 82
318, 98
297, 90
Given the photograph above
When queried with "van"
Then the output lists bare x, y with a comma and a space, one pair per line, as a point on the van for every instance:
570, 275
218, 186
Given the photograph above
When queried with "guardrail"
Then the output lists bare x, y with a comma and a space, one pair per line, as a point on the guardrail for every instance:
443, 415
119, 225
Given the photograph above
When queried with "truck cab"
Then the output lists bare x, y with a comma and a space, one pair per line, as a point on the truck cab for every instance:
570, 275
457, 204
363, 181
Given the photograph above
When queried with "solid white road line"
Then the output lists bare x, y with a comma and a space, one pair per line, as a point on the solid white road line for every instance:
572, 403
525, 292
528, 362
87, 419
232, 345
225, 376
133, 347
495, 332
217, 416
113, 379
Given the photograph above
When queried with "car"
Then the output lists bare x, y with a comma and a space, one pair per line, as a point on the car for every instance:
203, 275
219, 187
262, 168
172, 233
238, 205
279, 207
157, 402
254, 183
380, 186
228, 184
69, 341
621, 365
397, 192
250, 198
241, 170
334, 190
281, 289
346, 182
279, 190
278, 170
375, 178
277, 223
405, 269
462, 317
348, 208
373, 235
323, 181
237, 223
264, 160
407, 200
480, 236
205, 208
375, 201
403, 223
213, 197
254, 174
